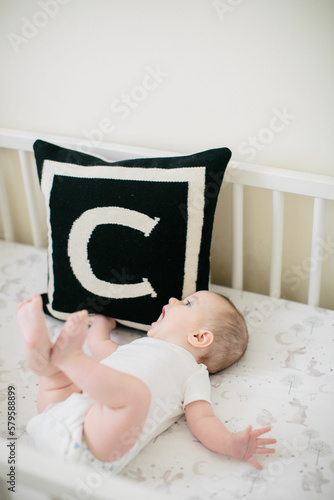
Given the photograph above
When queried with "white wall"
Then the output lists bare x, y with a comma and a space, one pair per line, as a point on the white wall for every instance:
184, 75
224, 69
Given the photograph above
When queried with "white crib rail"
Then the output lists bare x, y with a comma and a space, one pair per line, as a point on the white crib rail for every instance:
31, 201
276, 244
279, 181
5, 211
45, 477
317, 235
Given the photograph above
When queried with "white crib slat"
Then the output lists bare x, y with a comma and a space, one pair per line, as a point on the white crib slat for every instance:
31, 200
237, 236
276, 243
287, 181
5, 211
316, 258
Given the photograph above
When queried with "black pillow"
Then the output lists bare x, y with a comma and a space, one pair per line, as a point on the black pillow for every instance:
124, 237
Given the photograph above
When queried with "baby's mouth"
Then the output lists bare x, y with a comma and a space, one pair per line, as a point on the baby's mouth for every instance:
162, 315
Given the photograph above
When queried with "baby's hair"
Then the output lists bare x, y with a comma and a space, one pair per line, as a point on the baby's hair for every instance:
230, 337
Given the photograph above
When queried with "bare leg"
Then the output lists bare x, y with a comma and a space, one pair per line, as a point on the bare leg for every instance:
71, 338
34, 331
99, 341
111, 432
59, 387
54, 385
116, 419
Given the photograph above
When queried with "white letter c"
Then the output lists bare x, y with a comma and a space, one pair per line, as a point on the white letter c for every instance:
78, 240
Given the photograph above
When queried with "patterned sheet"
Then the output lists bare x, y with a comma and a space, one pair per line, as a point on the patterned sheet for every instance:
284, 380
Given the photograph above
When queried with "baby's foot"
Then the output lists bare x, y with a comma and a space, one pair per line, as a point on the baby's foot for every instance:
34, 331
71, 338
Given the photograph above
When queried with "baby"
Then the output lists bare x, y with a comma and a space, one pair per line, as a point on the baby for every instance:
110, 407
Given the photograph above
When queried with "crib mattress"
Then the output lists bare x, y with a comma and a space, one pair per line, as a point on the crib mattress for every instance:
284, 380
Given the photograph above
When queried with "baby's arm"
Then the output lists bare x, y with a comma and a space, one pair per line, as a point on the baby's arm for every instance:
99, 341
212, 433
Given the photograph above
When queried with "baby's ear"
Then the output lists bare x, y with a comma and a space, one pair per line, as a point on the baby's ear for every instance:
203, 338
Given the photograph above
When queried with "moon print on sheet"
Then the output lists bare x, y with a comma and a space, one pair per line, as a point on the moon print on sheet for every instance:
230, 394
321, 389
79, 237
279, 338
197, 467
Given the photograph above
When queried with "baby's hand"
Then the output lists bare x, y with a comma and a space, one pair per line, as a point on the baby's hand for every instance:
246, 443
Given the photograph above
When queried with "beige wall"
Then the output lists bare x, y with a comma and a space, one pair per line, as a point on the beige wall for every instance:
12, 176
184, 75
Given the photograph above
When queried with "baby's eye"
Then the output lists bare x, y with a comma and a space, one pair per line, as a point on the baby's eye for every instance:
188, 303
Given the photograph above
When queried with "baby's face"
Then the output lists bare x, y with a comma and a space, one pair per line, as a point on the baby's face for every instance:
179, 318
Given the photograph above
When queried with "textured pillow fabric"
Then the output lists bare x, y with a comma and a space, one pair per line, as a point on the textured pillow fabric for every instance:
124, 237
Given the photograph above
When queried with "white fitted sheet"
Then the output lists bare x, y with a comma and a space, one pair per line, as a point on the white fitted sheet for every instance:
285, 380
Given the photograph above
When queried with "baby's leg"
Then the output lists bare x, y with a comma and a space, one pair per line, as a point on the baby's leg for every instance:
99, 341
54, 385
112, 431
114, 423
34, 331
60, 386
71, 338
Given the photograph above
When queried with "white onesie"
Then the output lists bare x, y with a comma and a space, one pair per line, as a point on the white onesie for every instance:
173, 376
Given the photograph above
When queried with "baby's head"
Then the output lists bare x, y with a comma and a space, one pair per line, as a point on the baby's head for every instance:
208, 325
230, 336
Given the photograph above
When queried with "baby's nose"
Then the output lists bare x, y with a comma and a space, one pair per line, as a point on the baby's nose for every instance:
172, 301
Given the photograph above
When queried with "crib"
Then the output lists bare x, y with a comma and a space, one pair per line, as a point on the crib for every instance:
285, 379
